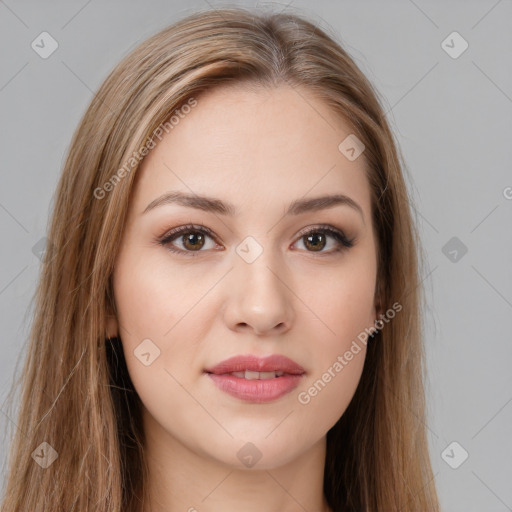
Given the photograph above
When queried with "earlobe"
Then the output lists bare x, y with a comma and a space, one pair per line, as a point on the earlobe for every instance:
112, 327
378, 309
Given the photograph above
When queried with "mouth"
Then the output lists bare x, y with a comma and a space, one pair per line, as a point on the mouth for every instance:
250, 375
257, 380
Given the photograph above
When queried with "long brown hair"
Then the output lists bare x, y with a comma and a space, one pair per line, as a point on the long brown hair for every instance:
76, 393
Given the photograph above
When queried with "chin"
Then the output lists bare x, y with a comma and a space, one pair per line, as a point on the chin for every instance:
256, 454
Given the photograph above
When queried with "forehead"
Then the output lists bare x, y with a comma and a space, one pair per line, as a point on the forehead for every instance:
257, 147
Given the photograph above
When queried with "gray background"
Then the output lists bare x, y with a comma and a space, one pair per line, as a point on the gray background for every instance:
452, 118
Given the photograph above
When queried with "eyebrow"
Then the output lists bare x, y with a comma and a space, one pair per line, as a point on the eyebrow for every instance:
210, 204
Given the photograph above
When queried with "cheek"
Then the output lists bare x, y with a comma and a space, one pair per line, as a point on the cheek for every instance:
154, 302
343, 304
344, 300
337, 355
151, 295
327, 394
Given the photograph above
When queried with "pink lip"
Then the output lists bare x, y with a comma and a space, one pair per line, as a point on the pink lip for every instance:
257, 390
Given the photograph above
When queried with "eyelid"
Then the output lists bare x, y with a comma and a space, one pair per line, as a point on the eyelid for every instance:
184, 228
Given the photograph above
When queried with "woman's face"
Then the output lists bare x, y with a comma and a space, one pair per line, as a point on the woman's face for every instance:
253, 282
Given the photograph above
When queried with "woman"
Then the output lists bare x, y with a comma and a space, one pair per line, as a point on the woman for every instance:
230, 315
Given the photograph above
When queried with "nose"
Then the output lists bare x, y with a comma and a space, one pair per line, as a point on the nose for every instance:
258, 299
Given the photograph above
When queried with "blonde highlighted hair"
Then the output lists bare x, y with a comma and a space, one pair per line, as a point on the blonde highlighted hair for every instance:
76, 394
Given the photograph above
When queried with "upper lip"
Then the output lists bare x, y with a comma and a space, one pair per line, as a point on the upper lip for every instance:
275, 362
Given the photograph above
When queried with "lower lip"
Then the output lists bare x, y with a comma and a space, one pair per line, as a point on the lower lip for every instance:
256, 390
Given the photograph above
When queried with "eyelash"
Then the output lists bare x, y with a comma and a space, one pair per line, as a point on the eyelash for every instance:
169, 236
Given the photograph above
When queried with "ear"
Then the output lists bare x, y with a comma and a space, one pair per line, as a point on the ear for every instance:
378, 309
112, 326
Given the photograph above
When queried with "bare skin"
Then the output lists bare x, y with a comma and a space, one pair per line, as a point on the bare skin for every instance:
259, 150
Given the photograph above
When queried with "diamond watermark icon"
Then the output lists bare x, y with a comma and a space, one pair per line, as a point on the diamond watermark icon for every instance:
249, 455
43, 246
44, 45
454, 455
146, 352
454, 249
454, 45
44, 455
249, 249
351, 147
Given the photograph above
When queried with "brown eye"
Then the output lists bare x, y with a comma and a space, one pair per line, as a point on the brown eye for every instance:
315, 241
188, 240
325, 236
193, 240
